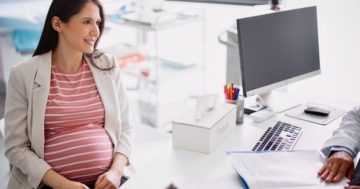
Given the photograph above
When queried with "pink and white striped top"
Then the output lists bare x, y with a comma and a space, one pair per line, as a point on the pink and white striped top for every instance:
76, 143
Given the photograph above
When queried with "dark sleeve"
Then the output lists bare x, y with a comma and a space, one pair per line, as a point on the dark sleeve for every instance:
275, 2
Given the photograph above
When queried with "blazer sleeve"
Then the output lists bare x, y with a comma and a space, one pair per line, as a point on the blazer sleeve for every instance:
347, 135
17, 142
126, 138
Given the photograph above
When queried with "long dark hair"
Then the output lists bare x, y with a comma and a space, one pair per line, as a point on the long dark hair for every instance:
64, 9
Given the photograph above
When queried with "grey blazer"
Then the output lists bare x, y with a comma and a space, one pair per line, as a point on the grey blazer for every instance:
347, 135
27, 94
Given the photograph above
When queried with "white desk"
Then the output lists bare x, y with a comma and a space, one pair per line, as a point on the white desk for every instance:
148, 141
171, 162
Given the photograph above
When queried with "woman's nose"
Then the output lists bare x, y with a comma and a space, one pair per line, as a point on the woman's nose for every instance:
95, 31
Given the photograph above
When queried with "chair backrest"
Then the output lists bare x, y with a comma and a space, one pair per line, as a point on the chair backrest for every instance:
2, 127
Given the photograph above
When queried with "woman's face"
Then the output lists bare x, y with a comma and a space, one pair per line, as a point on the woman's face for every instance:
82, 30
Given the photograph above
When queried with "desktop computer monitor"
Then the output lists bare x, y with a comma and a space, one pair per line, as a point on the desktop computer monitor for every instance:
278, 48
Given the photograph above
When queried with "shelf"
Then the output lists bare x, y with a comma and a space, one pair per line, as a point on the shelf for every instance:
173, 76
165, 72
160, 26
159, 21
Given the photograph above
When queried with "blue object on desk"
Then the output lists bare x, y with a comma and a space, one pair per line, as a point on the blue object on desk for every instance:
26, 40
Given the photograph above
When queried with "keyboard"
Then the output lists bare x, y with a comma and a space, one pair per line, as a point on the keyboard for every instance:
281, 137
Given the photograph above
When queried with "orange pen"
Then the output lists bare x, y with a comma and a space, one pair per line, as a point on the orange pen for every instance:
231, 93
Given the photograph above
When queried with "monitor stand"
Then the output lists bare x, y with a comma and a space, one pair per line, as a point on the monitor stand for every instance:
278, 101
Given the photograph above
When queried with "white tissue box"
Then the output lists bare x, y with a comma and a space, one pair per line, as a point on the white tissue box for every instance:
206, 134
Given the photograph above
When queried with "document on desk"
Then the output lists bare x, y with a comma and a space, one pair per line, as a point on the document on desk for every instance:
279, 169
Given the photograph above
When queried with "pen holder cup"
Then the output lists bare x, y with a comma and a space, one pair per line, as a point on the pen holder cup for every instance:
239, 108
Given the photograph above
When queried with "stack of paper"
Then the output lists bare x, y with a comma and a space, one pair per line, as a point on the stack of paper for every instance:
280, 169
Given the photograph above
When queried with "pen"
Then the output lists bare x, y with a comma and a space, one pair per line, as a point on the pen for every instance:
226, 92
231, 93
237, 93
234, 93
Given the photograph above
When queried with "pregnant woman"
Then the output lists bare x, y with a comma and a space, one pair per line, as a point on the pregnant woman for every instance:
67, 117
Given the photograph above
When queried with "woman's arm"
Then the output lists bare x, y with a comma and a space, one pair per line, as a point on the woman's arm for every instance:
347, 135
17, 142
119, 163
126, 135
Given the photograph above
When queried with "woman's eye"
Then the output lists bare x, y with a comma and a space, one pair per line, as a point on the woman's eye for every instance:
97, 23
87, 22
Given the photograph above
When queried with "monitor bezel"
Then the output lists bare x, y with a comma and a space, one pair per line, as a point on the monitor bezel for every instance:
268, 88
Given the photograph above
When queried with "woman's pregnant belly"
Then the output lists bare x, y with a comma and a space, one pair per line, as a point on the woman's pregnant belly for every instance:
80, 155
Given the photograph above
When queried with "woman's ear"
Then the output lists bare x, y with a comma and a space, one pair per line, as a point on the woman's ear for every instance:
57, 24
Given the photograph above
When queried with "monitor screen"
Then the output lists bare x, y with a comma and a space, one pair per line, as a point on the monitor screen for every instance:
278, 48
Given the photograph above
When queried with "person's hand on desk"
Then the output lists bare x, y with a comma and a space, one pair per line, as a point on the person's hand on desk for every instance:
338, 165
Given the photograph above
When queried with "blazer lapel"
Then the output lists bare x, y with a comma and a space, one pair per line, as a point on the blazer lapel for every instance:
39, 100
105, 87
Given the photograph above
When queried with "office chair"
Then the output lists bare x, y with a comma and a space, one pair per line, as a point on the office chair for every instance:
2, 128
2, 134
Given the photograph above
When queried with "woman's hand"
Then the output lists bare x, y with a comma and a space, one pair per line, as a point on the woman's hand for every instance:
57, 181
109, 180
71, 185
112, 178
338, 165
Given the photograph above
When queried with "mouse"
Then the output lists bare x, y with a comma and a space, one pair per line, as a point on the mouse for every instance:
254, 105
317, 110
